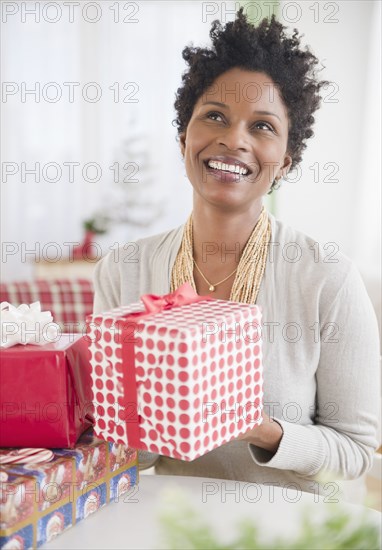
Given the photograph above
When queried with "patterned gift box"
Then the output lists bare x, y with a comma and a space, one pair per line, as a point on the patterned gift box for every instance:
38, 502
182, 378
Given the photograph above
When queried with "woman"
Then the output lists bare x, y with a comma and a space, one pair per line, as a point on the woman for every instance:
244, 112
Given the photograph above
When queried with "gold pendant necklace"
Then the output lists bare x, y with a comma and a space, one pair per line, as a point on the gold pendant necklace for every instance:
249, 272
212, 287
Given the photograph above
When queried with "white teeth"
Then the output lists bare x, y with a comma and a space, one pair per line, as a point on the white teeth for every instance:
217, 165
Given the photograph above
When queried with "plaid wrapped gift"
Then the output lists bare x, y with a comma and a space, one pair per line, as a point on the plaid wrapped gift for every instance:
69, 301
181, 378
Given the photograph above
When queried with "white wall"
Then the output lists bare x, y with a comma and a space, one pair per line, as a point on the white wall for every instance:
347, 133
148, 53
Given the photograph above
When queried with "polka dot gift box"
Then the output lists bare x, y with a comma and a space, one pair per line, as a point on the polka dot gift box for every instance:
179, 375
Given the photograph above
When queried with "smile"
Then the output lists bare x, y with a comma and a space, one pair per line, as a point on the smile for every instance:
226, 169
234, 168
227, 165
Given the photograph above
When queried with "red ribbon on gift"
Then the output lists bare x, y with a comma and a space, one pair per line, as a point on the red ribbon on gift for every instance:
154, 304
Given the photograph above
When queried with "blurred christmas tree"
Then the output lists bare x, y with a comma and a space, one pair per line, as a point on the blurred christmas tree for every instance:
131, 199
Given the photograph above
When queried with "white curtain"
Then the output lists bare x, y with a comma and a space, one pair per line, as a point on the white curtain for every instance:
146, 54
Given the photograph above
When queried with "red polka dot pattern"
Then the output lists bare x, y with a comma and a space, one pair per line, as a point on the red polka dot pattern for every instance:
198, 371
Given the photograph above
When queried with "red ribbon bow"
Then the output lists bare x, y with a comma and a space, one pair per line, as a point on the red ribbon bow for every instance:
183, 296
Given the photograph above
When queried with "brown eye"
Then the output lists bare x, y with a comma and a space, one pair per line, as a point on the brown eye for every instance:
265, 125
212, 115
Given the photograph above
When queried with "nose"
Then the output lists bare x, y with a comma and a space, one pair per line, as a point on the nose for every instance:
234, 137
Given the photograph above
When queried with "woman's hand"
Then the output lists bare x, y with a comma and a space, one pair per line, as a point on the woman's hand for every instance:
267, 436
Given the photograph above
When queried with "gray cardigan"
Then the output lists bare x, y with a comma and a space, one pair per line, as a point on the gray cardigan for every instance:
321, 361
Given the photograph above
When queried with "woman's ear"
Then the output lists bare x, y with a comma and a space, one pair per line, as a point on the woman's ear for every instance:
286, 166
182, 141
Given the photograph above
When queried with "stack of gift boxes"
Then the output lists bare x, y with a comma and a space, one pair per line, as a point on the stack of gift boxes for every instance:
177, 375
46, 401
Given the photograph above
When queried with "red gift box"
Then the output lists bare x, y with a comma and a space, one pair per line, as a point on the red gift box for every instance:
45, 393
179, 379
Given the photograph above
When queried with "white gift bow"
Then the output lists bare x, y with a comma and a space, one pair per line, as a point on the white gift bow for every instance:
26, 325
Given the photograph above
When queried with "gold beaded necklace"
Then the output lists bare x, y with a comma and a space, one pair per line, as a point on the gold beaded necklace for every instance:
249, 272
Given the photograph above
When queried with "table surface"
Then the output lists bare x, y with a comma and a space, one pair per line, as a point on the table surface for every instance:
133, 521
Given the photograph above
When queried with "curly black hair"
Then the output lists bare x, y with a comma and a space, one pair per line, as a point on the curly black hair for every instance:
265, 48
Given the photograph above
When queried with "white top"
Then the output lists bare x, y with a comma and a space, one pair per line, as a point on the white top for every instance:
320, 355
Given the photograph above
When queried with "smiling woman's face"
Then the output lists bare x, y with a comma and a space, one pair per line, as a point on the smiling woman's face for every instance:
235, 143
